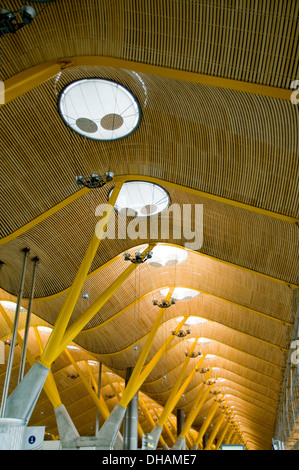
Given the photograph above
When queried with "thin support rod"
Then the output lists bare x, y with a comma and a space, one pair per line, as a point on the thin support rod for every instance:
99, 394
27, 325
14, 334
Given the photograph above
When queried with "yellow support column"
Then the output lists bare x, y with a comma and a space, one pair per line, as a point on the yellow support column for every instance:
214, 432
79, 324
170, 404
99, 402
222, 436
61, 323
196, 407
206, 424
135, 380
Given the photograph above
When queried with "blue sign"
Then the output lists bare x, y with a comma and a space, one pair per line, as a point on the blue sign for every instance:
32, 439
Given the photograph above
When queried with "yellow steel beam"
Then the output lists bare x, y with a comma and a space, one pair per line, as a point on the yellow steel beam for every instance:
87, 315
67, 308
99, 402
31, 78
222, 435
214, 432
171, 402
196, 407
139, 373
204, 427
175, 186
131, 387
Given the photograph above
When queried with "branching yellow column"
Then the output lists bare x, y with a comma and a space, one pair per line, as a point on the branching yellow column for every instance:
134, 382
222, 436
214, 432
170, 404
206, 424
99, 402
67, 308
196, 407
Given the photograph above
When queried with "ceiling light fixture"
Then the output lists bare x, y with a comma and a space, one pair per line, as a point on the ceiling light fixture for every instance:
99, 109
94, 181
13, 21
164, 303
138, 258
181, 333
192, 355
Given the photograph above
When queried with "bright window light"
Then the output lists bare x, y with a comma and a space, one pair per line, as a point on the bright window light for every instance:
181, 293
210, 356
73, 348
142, 198
99, 109
11, 305
203, 341
192, 320
44, 329
93, 363
166, 255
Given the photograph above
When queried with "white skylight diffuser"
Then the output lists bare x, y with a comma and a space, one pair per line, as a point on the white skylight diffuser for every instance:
99, 109
142, 198
181, 293
166, 255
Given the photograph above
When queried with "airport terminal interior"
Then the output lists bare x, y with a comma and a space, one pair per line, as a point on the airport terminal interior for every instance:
149, 225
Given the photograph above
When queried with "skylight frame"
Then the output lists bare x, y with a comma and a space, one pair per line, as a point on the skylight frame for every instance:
63, 111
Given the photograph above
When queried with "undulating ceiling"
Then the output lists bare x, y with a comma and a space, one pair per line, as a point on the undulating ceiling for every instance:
218, 129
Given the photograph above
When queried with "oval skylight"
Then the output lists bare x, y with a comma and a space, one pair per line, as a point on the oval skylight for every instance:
181, 293
99, 109
142, 198
166, 255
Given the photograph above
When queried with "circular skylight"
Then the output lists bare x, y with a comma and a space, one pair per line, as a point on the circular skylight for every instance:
181, 293
166, 255
142, 199
99, 109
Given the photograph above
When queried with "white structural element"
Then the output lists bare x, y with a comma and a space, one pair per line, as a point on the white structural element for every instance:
166, 255
12, 433
142, 199
99, 109
181, 293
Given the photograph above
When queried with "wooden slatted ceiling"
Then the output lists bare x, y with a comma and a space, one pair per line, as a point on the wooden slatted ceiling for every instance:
231, 144
230, 234
244, 40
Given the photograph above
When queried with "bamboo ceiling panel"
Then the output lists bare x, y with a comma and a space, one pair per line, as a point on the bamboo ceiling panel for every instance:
243, 40
231, 144
236, 147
